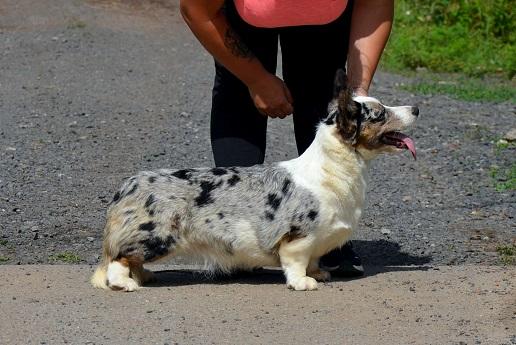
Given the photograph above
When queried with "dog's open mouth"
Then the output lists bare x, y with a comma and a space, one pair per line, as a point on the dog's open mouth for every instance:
401, 141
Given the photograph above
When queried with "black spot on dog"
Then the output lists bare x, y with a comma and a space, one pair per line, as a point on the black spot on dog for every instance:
152, 179
219, 171
301, 217
156, 247
132, 190
286, 186
269, 216
221, 215
149, 226
184, 174
294, 230
234, 180
293, 234
116, 197
150, 200
273, 201
128, 212
207, 221
204, 197
312, 214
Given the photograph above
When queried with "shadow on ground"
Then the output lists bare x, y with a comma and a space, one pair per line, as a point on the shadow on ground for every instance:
380, 256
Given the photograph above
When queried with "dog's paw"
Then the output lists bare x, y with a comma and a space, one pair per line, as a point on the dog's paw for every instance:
320, 275
127, 285
303, 283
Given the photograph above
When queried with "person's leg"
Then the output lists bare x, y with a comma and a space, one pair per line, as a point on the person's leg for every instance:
311, 56
238, 130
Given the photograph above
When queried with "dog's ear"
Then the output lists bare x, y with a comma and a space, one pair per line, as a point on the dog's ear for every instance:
340, 82
349, 118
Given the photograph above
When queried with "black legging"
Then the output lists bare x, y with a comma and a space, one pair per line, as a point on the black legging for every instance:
310, 56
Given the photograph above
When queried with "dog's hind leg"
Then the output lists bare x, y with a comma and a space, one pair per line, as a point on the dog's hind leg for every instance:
316, 272
294, 258
140, 274
118, 276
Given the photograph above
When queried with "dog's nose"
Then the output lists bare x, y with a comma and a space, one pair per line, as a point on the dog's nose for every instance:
415, 111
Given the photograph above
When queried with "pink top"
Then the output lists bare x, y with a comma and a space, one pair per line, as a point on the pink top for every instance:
278, 13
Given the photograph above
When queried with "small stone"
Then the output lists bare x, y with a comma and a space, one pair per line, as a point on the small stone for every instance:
510, 135
406, 198
485, 238
10, 148
91, 239
385, 231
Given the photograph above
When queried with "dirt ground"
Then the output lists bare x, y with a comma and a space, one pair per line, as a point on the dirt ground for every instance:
444, 305
94, 91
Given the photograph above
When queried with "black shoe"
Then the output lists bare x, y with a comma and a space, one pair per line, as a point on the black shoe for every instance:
343, 262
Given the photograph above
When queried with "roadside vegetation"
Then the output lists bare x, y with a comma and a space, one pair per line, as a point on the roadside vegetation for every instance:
470, 44
67, 257
507, 254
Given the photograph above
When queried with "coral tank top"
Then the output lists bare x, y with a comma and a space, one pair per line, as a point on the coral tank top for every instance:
279, 13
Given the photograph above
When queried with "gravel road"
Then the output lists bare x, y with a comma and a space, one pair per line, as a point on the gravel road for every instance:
93, 91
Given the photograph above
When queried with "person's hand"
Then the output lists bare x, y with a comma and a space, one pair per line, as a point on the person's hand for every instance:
271, 97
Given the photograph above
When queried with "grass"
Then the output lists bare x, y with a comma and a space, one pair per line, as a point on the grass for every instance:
67, 257
466, 88
473, 42
472, 37
507, 254
3, 258
504, 179
3, 242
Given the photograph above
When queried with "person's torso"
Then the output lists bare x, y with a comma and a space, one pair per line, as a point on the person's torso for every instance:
280, 13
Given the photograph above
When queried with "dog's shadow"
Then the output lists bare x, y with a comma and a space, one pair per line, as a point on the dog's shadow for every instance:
378, 256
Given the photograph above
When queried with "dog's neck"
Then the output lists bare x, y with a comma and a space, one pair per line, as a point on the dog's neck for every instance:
332, 166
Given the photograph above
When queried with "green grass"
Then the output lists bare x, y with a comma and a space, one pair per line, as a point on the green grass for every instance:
471, 37
504, 179
67, 257
3, 242
507, 254
3, 258
467, 89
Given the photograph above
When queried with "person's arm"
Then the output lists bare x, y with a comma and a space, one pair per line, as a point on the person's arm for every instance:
370, 28
207, 21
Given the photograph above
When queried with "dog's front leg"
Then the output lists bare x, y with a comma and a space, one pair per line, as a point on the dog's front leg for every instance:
294, 258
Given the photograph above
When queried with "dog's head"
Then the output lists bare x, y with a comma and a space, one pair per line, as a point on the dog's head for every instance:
368, 125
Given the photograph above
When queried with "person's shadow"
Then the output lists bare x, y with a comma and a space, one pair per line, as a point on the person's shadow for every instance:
378, 257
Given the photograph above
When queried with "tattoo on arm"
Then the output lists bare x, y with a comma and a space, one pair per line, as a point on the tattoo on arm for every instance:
236, 46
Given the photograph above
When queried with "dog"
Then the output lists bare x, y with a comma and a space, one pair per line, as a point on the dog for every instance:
287, 214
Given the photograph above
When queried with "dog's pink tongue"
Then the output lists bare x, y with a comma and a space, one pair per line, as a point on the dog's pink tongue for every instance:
411, 146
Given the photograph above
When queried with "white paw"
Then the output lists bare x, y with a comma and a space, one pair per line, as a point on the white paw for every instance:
320, 275
126, 284
302, 284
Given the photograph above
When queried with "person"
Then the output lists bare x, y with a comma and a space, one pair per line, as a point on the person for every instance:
317, 37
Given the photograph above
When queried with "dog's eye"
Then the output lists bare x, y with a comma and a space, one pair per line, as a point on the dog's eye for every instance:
378, 115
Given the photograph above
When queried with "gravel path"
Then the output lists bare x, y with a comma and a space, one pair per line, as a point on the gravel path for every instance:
93, 91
